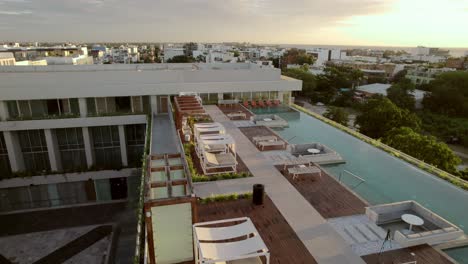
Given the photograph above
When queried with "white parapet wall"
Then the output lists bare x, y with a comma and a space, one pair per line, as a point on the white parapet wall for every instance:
387, 213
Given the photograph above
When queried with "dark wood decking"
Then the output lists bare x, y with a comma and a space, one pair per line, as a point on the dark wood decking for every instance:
424, 254
258, 131
280, 238
226, 109
326, 195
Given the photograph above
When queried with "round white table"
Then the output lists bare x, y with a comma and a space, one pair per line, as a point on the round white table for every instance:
267, 119
313, 151
412, 220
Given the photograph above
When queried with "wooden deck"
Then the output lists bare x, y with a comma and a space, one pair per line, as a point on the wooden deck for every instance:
257, 131
424, 254
280, 238
326, 195
226, 109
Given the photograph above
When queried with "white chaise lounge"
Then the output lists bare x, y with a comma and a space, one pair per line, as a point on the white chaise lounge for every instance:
210, 248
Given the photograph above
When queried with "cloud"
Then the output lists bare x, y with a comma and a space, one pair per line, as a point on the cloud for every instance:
15, 13
180, 20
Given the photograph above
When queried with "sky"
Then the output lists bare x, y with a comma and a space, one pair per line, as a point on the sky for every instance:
436, 23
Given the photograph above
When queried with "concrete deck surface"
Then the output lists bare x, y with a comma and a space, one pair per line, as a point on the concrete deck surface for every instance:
319, 237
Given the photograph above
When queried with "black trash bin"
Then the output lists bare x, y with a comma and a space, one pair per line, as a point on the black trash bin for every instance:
258, 194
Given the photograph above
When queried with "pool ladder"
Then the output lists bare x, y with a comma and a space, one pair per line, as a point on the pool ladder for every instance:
361, 180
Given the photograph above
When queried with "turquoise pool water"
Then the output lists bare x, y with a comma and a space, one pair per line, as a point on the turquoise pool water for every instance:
459, 254
387, 178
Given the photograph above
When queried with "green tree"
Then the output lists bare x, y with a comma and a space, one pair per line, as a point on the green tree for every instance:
379, 115
448, 94
296, 56
401, 94
309, 81
181, 59
425, 148
337, 114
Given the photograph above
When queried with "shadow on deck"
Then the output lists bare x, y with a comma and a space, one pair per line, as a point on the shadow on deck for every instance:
326, 195
280, 238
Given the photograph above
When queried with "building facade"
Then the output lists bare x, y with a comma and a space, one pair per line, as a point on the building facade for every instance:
75, 134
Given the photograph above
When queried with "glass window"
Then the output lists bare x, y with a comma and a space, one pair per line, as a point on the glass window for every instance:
137, 104
101, 105
204, 97
91, 106
237, 96
12, 109
273, 95
264, 95
246, 95
34, 148
71, 147
39, 107
135, 138
106, 145
111, 104
146, 104
24, 108
227, 96
52, 107
5, 169
122, 104
256, 95
74, 106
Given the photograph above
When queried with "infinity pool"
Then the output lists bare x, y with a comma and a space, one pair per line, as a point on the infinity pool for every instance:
387, 178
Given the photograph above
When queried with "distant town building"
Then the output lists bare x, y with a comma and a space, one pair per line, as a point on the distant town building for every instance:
424, 75
7, 59
380, 88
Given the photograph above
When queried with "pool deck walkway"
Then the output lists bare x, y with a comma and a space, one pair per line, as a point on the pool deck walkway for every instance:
164, 135
319, 237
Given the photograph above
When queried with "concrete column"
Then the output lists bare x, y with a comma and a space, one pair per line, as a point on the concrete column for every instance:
123, 145
88, 144
53, 150
83, 107
220, 96
14, 151
3, 111
154, 104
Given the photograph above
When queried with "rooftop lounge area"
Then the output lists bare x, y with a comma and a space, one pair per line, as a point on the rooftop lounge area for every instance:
412, 224
306, 215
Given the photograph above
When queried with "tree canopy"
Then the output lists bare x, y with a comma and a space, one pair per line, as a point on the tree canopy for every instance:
181, 59
448, 94
324, 88
337, 114
401, 94
425, 148
296, 56
379, 115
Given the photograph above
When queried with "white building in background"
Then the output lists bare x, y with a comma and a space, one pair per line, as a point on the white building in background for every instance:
79, 131
424, 75
218, 56
170, 53
31, 63
7, 59
324, 55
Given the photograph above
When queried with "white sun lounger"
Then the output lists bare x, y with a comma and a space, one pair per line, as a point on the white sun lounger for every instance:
301, 170
263, 144
207, 251
237, 114
256, 140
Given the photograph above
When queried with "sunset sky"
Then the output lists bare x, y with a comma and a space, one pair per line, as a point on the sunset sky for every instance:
441, 23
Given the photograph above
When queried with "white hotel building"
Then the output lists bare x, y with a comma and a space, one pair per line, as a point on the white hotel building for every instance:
75, 134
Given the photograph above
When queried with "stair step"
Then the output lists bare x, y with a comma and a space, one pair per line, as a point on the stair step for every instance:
377, 230
367, 232
355, 234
